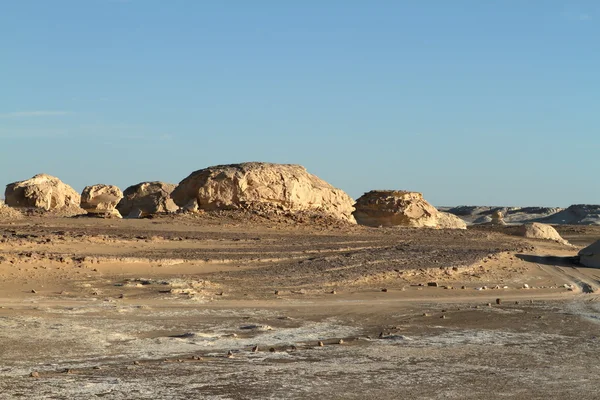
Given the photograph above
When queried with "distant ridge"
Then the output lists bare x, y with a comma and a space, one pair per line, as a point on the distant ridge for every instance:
578, 214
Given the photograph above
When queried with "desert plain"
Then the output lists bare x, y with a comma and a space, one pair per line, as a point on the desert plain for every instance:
238, 305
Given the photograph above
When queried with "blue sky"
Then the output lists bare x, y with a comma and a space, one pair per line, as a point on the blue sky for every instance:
469, 102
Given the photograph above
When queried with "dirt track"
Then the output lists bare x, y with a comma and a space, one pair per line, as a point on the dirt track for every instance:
150, 308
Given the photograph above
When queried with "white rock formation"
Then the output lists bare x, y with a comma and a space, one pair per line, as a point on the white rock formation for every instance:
449, 221
147, 198
101, 200
536, 230
402, 208
590, 256
498, 218
286, 186
42, 192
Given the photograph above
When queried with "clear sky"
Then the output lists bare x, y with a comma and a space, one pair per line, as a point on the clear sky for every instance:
469, 102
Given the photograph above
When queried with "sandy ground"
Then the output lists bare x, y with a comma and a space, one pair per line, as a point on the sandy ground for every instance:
150, 309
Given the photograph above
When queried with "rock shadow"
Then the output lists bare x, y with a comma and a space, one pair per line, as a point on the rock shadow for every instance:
551, 260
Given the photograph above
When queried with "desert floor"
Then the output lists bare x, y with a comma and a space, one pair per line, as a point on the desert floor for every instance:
150, 309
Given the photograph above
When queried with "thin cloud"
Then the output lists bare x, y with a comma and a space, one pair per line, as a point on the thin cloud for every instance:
577, 16
161, 138
33, 134
30, 114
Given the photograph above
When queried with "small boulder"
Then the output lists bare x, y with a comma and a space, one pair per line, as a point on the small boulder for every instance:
191, 206
147, 198
101, 200
536, 230
43, 192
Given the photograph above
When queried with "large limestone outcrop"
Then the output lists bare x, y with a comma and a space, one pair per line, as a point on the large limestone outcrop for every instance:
536, 230
287, 186
42, 192
402, 208
101, 200
147, 198
590, 256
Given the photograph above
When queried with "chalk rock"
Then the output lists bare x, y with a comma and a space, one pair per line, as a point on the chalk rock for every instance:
191, 206
536, 230
590, 256
42, 192
286, 186
498, 218
450, 221
401, 208
9, 213
101, 200
147, 198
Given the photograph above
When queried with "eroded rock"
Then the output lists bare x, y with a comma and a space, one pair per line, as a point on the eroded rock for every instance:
536, 230
147, 198
242, 186
101, 200
498, 218
402, 208
43, 192
450, 221
590, 256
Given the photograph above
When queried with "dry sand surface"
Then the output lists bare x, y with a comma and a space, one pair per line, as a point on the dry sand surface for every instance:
305, 308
